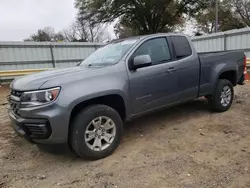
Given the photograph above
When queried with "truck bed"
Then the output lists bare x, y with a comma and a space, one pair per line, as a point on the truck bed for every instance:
214, 61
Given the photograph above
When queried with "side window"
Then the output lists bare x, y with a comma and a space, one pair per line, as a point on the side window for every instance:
181, 46
157, 49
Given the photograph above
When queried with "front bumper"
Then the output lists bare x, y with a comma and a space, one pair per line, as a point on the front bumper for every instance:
30, 128
42, 125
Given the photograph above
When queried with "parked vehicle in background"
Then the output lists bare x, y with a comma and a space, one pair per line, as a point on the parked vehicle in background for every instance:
85, 106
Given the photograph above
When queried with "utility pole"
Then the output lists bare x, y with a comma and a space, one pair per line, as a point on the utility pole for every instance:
216, 15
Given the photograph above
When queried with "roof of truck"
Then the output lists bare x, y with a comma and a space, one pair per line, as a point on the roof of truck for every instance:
139, 37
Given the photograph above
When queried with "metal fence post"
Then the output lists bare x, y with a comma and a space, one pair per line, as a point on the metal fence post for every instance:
52, 56
225, 42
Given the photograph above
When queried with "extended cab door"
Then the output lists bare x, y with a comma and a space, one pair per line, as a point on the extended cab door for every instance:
187, 67
156, 85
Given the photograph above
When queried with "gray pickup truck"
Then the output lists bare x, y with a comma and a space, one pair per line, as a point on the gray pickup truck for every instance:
85, 106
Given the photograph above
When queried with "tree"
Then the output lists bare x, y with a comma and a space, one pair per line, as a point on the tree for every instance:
139, 16
46, 34
242, 8
76, 33
228, 18
123, 31
84, 30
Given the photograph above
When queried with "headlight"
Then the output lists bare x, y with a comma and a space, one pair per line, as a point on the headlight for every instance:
40, 97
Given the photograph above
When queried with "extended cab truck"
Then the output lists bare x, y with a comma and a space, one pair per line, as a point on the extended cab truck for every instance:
85, 106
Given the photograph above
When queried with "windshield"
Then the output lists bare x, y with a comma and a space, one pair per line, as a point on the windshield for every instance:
109, 54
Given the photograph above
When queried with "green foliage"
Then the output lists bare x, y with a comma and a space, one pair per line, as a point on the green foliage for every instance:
139, 16
46, 34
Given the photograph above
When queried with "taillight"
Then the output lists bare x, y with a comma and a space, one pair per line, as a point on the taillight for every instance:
245, 64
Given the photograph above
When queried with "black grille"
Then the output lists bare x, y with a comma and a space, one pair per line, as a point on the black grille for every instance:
34, 130
14, 100
37, 130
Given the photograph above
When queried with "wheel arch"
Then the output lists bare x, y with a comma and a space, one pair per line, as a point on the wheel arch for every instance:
114, 101
230, 75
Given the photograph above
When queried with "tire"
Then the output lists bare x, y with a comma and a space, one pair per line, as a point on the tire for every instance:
90, 119
215, 101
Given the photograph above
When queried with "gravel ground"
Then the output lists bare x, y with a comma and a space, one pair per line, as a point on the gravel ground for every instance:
185, 146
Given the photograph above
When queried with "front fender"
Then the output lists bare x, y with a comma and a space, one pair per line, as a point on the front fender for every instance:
84, 98
80, 91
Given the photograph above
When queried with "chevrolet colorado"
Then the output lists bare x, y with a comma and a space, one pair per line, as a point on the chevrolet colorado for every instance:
85, 106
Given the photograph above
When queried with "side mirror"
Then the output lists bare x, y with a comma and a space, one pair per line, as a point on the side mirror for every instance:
140, 61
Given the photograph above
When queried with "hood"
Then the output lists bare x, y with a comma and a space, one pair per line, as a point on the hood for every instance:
58, 76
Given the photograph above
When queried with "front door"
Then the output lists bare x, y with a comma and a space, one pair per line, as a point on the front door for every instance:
156, 85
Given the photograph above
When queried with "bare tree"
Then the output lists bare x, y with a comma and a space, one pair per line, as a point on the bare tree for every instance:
76, 33
85, 31
242, 7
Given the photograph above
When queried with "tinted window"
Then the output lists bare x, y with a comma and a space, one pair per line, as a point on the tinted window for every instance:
182, 46
157, 49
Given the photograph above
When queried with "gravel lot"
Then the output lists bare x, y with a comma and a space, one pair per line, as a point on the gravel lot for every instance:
185, 146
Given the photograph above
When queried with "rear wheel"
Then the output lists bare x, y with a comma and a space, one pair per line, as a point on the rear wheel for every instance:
223, 96
96, 132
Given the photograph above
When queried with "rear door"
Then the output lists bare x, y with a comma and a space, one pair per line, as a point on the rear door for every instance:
187, 68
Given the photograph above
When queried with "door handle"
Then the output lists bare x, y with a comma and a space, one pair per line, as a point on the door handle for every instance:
171, 69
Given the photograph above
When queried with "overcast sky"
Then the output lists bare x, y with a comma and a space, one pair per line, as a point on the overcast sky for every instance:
21, 18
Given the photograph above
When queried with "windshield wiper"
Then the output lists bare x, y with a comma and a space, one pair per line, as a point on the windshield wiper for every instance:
99, 64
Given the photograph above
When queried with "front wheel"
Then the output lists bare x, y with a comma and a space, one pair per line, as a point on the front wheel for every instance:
96, 132
223, 96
